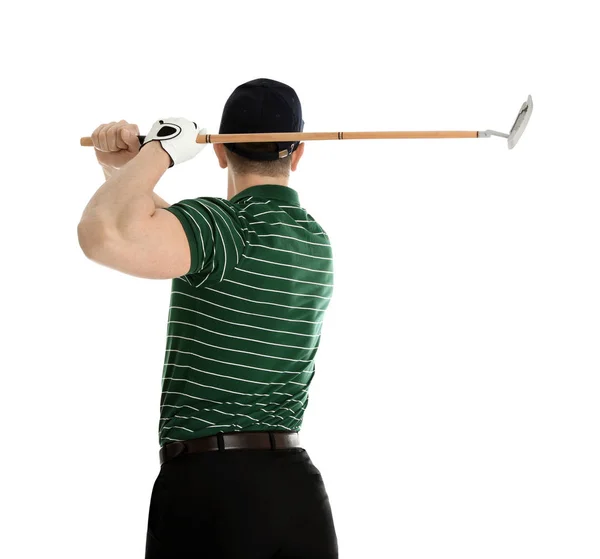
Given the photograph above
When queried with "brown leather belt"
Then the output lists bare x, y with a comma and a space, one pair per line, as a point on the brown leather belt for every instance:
252, 440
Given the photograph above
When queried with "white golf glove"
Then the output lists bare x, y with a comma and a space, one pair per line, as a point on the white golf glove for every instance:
177, 136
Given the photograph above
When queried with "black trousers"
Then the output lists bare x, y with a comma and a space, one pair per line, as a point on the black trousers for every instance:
234, 504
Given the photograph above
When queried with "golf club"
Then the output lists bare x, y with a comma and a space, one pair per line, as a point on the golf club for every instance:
513, 136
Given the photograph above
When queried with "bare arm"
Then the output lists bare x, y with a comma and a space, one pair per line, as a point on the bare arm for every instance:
158, 201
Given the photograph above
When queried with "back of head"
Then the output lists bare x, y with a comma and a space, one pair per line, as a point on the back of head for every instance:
261, 105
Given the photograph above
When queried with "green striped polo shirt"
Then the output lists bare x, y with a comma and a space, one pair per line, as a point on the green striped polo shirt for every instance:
244, 323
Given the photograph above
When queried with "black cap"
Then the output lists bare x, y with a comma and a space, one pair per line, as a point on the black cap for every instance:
262, 105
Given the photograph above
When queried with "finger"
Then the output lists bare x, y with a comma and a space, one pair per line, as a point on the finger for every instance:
96, 137
127, 137
102, 140
133, 128
130, 139
102, 145
111, 136
121, 134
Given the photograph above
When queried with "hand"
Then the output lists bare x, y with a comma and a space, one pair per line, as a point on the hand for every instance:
116, 143
177, 136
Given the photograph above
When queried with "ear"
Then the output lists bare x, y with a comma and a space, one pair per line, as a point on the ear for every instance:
296, 155
220, 153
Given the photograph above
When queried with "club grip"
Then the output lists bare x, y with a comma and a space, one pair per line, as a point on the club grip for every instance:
87, 141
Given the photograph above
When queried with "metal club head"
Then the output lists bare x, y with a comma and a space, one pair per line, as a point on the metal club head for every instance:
517, 128
520, 123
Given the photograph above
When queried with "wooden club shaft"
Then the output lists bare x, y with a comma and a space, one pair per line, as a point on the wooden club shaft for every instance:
302, 136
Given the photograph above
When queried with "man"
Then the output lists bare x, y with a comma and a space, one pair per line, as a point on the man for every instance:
252, 277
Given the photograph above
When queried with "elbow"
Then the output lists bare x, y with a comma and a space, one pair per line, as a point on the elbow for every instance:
82, 238
89, 239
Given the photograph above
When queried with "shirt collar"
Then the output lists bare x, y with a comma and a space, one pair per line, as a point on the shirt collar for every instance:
273, 191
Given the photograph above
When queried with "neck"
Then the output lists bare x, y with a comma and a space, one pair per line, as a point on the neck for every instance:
237, 183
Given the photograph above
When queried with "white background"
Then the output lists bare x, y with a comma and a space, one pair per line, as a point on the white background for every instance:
464, 327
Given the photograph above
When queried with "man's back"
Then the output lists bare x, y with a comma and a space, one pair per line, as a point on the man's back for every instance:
243, 331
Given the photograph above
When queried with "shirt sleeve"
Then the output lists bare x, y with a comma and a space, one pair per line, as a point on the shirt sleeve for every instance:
215, 235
